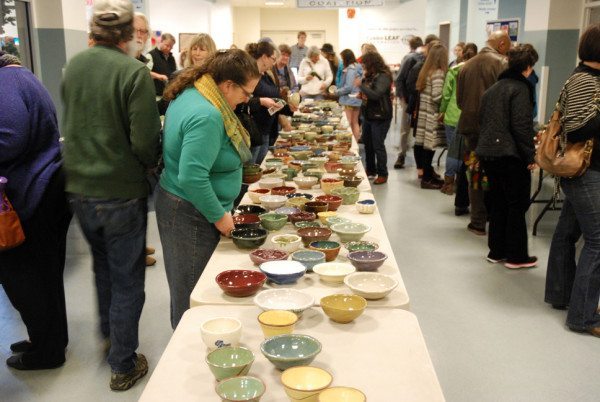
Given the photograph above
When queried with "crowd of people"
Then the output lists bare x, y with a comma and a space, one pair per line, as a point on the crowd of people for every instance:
222, 111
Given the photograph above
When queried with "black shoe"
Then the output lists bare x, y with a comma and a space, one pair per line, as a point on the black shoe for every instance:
400, 162
359, 141
560, 306
529, 263
460, 211
19, 362
476, 230
21, 346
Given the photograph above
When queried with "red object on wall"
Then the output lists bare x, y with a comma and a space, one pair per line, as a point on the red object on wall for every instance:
351, 12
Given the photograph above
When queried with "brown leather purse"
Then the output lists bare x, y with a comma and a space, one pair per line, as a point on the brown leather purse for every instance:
11, 231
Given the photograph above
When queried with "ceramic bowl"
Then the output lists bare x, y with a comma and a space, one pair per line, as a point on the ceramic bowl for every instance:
310, 135
345, 172
366, 206
343, 308
251, 168
352, 181
308, 165
272, 202
276, 163
290, 350
304, 383
263, 255
334, 201
333, 272
270, 182
286, 210
319, 161
316, 206
349, 194
305, 182
249, 178
350, 231
370, 285
348, 163
307, 224
303, 216
310, 235
257, 193
289, 173
246, 221
284, 299
244, 389
361, 246
240, 282
273, 221
283, 272
286, 242
315, 172
308, 258
222, 331
229, 361
283, 190
299, 148
367, 260
324, 215
300, 195
277, 322
275, 175
249, 209
332, 220
342, 394
297, 202
330, 248
331, 166
301, 155
327, 185
248, 238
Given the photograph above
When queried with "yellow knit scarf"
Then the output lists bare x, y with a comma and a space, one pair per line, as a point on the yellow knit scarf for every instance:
235, 131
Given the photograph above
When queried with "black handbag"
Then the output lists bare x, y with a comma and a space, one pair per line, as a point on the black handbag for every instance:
243, 113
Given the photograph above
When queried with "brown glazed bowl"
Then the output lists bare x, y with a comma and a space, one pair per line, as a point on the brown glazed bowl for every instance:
263, 255
283, 190
353, 181
316, 206
332, 167
333, 201
310, 235
240, 283
303, 217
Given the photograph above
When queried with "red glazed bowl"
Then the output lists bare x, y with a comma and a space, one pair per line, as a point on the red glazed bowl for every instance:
332, 167
310, 235
263, 255
303, 216
334, 201
247, 221
283, 190
240, 282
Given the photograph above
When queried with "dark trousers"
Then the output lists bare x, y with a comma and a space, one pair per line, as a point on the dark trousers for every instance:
567, 281
461, 200
373, 136
32, 276
477, 196
510, 186
116, 232
424, 160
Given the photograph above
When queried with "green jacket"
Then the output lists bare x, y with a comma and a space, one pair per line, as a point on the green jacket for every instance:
201, 164
448, 105
110, 126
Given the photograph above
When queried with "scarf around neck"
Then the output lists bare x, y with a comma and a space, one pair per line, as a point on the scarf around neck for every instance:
233, 127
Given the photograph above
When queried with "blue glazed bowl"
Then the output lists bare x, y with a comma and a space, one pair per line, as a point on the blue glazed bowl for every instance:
309, 258
283, 272
290, 350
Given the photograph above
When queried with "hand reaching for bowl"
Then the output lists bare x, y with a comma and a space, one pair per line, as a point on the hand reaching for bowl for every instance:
225, 225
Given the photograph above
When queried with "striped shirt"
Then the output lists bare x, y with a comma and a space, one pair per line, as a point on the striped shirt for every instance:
580, 100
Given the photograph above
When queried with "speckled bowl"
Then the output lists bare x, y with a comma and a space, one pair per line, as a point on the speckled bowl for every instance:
333, 201
310, 235
309, 258
263, 255
330, 248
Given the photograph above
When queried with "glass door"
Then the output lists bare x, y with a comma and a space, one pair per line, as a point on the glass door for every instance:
15, 32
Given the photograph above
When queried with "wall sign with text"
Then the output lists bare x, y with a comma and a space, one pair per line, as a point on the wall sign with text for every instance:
338, 3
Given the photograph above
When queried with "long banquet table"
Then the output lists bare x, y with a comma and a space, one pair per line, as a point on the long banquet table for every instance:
382, 353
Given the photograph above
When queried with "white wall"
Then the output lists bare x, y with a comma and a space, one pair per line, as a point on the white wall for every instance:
565, 14
478, 15
246, 25
443, 11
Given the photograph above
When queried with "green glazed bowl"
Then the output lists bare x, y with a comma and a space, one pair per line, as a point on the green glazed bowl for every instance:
297, 202
332, 220
229, 361
247, 389
307, 224
273, 221
290, 350
350, 231
361, 246
289, 173
349, 194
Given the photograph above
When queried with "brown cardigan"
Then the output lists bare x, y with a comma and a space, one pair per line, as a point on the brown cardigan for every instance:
475, 77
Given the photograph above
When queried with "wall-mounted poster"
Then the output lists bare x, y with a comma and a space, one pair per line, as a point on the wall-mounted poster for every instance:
510, 25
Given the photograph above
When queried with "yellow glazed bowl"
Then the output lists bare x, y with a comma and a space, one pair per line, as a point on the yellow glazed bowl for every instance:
277, 322
324, 215
303, 383
343, 308
342, 394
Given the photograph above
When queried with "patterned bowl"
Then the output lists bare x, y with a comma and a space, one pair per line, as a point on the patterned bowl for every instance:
263, 255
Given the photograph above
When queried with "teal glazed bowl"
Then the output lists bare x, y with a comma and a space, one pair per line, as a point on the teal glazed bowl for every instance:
273, 221
246, 389
307, 224
309, 258
290, 350
331, 249
229, 361
349, 194
249, 238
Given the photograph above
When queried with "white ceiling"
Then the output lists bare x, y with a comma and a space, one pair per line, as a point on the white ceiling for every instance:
261, 3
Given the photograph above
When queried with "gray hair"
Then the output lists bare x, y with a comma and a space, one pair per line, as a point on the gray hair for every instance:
167, 36
143, 18
313, 51
112, 35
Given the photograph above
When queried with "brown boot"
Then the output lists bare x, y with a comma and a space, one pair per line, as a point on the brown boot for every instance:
150, 261
448, 187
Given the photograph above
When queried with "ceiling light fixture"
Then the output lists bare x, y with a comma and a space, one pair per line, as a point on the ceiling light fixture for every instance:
273, 3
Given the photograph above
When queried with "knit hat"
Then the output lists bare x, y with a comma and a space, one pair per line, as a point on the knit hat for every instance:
110, 13
7, 59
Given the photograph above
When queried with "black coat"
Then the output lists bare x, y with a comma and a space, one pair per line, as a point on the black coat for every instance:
506, 119
377, 91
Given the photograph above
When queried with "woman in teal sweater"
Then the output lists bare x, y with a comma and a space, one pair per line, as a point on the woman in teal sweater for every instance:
204, 147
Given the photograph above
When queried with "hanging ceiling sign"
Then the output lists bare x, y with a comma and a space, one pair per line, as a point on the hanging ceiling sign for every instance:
338, 3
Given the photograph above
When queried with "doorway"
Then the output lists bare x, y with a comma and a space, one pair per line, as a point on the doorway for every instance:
444, 33
15, 31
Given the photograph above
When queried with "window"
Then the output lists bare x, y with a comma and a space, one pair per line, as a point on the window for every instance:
14, 30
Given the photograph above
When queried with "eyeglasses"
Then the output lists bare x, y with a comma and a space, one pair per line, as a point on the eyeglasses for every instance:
246, 93
141, 31
273, 58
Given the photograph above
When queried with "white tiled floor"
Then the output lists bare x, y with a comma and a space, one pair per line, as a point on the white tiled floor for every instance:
490, 336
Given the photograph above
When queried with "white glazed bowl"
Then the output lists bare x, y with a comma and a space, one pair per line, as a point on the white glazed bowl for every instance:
305, 182
272, 202
255, 197
288, 246
370, 285
283, 272
366, 206
284, 299
270, 182
333, 272
221, 331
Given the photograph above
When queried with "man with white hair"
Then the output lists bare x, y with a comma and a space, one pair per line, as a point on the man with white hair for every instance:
314, 74
111, 128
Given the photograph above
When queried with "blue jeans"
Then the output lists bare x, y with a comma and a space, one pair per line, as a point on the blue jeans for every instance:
452, 164
188, 242
116, 232
373, 136
259, 152
567, 282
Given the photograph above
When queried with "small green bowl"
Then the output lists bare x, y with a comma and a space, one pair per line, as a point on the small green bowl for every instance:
289, 173
361, 246
229, 361
246, 389
307, 224
332, 220
349, 194
273, 221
